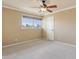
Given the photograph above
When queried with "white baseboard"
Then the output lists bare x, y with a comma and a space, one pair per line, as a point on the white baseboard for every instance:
38, 39
19, 43
66, 43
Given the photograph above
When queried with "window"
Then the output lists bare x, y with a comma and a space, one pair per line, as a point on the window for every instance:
37, 23
29, 22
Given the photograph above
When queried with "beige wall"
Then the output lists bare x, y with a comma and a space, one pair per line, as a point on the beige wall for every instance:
65, 26
12, 32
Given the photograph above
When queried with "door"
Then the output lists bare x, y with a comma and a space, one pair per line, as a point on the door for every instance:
48, 25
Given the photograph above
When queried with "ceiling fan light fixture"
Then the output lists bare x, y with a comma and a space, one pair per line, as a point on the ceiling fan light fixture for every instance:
43, 9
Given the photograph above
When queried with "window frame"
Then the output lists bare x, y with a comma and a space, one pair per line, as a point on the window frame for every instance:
33, 23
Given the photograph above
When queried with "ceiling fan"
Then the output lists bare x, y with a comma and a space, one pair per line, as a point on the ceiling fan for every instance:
45, 7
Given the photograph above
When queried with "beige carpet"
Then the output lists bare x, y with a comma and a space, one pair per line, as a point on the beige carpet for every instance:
40, 49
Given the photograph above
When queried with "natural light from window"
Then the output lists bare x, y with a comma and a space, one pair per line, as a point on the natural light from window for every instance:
29, 22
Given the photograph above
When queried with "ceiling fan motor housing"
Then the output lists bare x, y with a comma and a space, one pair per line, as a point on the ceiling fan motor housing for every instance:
43, 1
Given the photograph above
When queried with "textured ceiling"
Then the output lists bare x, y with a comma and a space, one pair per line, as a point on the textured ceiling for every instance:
29, 5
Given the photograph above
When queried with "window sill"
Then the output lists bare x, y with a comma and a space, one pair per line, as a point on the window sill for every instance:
30, 28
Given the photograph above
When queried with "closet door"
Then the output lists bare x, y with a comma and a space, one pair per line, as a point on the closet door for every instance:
48, 27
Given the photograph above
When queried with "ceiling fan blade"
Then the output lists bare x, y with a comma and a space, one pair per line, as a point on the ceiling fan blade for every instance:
41, 6
45, 5
43, 1
52, 6
49, 10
